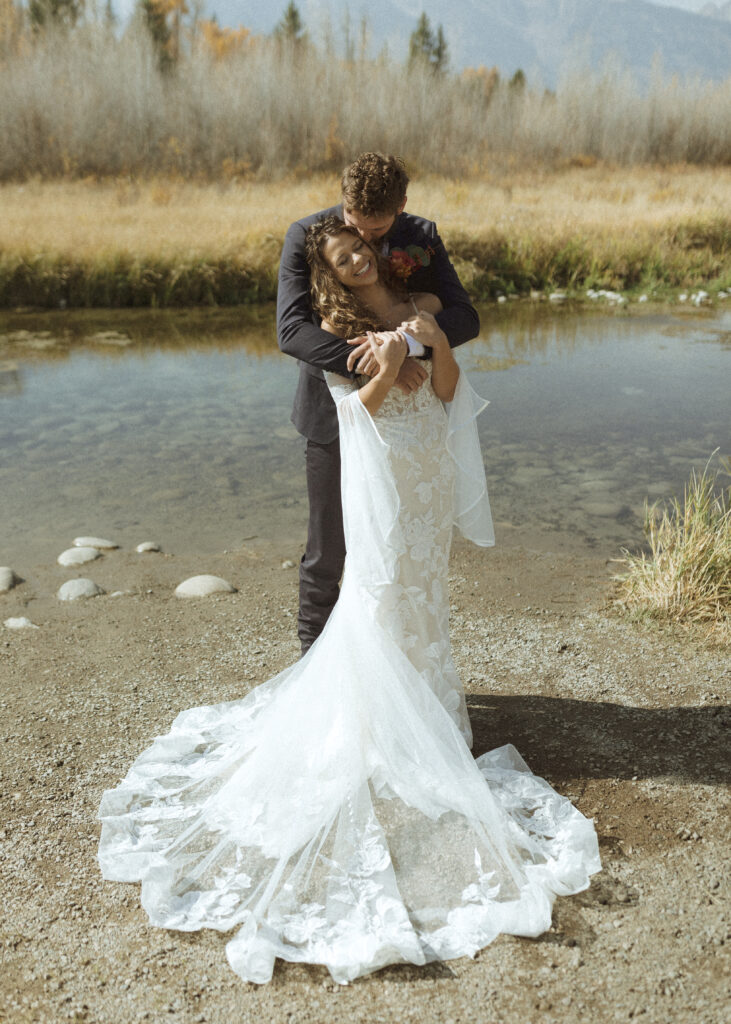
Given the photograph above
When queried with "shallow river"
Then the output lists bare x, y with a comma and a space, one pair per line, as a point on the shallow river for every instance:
175, 426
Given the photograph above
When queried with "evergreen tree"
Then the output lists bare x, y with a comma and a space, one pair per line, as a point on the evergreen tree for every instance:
440, 57
291, 27
427, 48
54, 12
157, 25
517, 82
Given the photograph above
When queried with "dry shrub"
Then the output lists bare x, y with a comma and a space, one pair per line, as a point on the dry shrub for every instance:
92, 102
686, 576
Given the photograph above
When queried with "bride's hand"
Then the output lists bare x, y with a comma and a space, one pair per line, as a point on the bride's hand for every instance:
423, 327
389, 351
364, 358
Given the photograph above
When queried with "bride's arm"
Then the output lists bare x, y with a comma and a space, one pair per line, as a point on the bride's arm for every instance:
389, 350
445, 371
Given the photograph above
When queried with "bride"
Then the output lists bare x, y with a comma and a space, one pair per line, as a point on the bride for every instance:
335, 815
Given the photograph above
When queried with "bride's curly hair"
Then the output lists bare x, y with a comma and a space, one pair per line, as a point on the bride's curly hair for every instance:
330, 298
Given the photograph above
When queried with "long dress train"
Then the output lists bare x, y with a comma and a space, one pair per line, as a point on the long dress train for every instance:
335, 815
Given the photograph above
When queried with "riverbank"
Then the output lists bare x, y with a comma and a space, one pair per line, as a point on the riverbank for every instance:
657, 232
626, 721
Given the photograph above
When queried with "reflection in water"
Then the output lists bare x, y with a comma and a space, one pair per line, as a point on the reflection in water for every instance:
175, 426
11, 382
56, 336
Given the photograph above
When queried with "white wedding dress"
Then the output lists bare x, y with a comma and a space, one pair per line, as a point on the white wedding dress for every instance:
335, 815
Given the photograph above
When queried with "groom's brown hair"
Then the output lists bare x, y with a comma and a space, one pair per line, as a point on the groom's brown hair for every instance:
374, 184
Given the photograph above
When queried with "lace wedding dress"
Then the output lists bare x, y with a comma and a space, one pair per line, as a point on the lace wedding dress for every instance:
335, 814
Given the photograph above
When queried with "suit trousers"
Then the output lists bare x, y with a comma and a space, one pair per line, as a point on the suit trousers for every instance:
322, 563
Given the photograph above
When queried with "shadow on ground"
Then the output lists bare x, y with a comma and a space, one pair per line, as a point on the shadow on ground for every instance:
570, 739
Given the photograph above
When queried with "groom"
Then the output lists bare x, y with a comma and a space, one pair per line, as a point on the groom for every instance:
373, 202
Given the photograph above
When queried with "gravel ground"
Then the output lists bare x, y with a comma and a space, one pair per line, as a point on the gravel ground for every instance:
626, 721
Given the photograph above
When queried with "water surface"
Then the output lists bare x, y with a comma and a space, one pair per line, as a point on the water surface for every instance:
175, 426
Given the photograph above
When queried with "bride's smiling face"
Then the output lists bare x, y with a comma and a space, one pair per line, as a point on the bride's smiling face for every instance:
352, 261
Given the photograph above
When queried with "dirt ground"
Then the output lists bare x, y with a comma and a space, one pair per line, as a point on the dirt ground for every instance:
626, 720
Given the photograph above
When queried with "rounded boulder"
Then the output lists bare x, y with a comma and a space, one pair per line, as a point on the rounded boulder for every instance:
203, 586
78, 556
72, 590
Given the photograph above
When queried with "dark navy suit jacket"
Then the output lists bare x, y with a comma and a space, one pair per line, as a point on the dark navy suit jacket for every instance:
298, 328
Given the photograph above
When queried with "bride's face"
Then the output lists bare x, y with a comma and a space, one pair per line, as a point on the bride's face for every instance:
352, 261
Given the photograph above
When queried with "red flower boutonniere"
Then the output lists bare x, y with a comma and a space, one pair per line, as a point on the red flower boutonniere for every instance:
405, 261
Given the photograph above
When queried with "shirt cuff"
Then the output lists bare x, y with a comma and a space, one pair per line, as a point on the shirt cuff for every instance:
416, 349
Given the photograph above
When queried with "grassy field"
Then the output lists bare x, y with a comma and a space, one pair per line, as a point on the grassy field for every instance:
168, 242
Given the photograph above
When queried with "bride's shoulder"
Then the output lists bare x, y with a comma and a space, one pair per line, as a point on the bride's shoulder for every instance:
427, 302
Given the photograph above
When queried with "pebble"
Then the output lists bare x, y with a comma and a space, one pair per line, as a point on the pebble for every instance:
8, 579
111, 338
94, 542
78, 555
21, 622
610, 296
73, 589
202, 586
147, 545
288, 563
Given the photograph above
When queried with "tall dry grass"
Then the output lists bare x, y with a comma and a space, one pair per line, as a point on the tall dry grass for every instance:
686, 576
167, 242
89, 103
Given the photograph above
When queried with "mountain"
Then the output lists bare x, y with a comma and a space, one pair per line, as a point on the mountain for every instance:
542, 37
722, 11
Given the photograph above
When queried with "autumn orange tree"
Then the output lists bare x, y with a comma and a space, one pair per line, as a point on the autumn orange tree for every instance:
482, 79
223, 42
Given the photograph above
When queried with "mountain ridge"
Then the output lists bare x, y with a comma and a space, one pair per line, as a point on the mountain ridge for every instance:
543, 37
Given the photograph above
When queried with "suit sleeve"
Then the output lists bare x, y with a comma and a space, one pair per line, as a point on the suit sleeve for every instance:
458, 319
297, 333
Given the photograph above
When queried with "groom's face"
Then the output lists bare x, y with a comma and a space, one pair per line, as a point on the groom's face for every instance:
371, 229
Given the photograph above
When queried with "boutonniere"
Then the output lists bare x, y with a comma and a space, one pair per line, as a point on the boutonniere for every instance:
405, 261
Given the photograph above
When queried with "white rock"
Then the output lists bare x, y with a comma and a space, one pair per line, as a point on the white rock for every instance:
501, 298
148, 545
683, 298
288, 563
73, 589
699, 298
94, 542
8, 579
78, 556
557, 297
611, 296
202, 586
21, 622
723, 295
642, 298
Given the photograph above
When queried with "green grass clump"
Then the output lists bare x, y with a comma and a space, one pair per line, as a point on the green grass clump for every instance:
658, 261
50, 282
686, 576
688, 255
